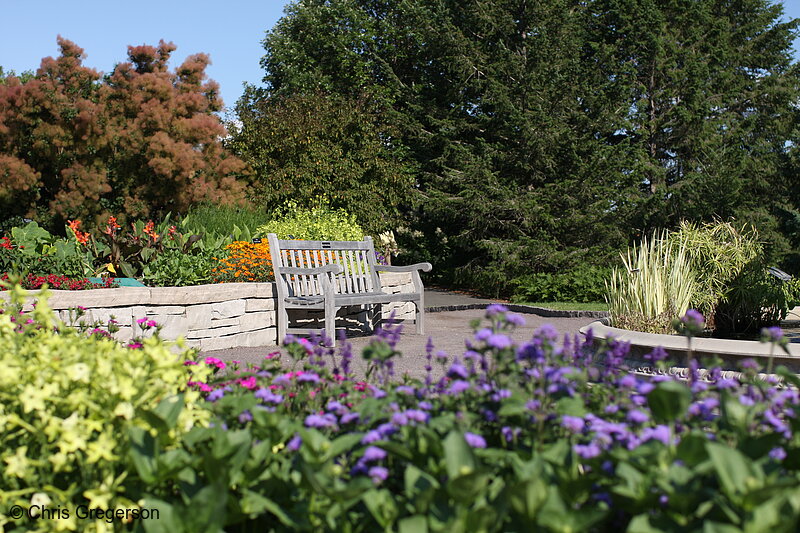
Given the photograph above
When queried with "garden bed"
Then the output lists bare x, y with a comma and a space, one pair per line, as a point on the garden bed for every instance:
208, 317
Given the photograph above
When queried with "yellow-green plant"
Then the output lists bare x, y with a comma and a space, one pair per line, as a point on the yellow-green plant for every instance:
71, 409
319, 223
654, 286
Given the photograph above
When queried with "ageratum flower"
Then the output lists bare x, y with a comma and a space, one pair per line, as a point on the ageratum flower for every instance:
373, 453
378, 474
475, 440
321, 421
587, 451
573, 423
294, 443
266, 395
498, 341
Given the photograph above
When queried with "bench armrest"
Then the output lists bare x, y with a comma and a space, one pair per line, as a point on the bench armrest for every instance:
425, 267
301, 271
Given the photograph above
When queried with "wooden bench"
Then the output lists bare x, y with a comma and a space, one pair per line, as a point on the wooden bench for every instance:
329, 275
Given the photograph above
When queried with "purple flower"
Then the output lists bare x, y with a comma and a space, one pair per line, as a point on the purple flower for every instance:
510, 433
378, 474
405, 389
772, 334
744, 399
483, 334
268, 396
637, 417
245, 416
587, 451
371, 436
546, 332
495, 309
425, 405
645, 387
660, 433
320, 421
215, 395
727, 383
628, 381
572, 423
499, 341
417, 416
501, 394
515, 319
475, 441
348, 418
694, 321
294, 443
458, 370
387, 429
458, 386
399, 419
778, 453
373, 453
309, 377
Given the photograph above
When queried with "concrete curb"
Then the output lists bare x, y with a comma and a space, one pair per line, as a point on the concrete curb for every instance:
519, 308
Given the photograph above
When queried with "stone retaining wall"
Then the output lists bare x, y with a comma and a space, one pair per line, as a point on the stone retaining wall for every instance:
210, 317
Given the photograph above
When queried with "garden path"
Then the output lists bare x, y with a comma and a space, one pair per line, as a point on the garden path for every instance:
449, 329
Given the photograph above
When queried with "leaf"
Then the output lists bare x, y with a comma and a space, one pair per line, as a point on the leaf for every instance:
413, 524
169, 519
736, 473
458, 456
253, 503
669, 401
342, 444
143, 454
382, 506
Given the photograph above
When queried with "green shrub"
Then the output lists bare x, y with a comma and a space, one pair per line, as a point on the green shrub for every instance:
753, 300
583, 284
33, 250
319, 223
654, 286
72, 408
174, 268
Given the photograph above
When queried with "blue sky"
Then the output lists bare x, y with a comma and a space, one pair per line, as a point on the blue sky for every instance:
230, 32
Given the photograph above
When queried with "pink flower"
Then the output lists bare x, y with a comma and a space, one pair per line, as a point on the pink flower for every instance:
189, 363
134, 345
215, 362
249, 383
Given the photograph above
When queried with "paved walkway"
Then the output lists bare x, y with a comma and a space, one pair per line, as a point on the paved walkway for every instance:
448, 329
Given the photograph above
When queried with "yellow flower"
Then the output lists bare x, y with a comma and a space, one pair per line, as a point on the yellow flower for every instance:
17, 463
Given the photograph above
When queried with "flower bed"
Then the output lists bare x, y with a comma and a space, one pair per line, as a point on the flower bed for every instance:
534, 436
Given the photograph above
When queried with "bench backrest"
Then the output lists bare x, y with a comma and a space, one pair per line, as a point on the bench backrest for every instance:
357, 259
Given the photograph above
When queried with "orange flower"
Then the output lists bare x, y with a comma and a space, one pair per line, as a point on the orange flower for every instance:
149, 229
80, 236
111, 226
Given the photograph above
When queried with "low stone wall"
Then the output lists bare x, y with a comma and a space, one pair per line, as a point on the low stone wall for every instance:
210, 317
730, 352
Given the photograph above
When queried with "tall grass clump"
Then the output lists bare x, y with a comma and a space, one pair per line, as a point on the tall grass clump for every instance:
655, 285
719, 254
224, 220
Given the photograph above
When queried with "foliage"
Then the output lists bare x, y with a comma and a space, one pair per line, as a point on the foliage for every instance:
585, 283
74, 409
175, 268
33, 251
718, 253
538, 436
544, 135
32, 281
218, 220
244, 261
321, 223
322, 149
139, 142
753, 300
655, 285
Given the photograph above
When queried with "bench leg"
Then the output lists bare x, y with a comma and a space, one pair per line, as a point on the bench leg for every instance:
330, 321
283, 324
420, 318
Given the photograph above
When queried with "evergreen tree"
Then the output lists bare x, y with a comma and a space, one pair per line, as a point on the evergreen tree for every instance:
547, 134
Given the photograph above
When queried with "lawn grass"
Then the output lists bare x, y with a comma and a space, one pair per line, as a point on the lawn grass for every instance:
570, 306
